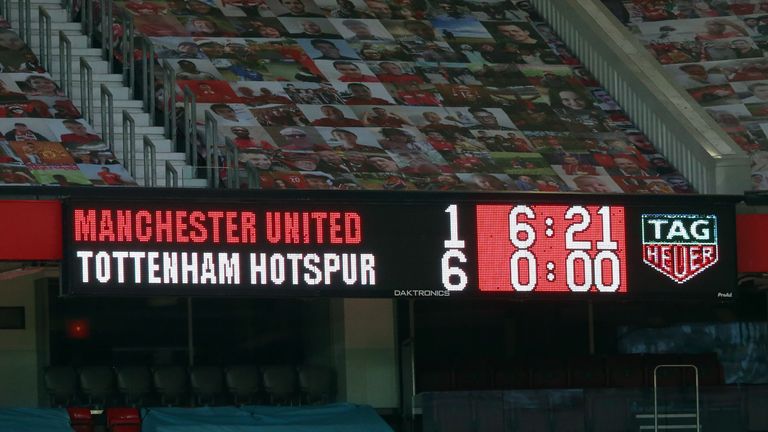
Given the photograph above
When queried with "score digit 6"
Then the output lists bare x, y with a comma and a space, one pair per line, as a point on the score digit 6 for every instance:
516, 228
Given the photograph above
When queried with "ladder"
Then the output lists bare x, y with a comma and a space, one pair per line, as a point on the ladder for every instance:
683, 421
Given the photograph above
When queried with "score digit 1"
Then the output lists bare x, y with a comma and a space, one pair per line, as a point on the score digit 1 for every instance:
454, 277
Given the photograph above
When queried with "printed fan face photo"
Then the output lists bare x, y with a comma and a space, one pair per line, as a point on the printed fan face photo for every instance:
476, 83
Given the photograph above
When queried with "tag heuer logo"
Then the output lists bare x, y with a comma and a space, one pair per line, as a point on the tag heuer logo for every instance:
680, 245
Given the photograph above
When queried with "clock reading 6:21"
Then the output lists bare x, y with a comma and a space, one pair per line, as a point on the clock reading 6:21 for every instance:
551, 248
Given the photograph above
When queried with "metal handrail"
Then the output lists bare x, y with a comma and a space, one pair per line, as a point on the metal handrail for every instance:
86, 88
67, 6
150, 152
128, 47
211, 146
65, 64
107, 116
169, 101
233, 163
46, 37
254, 180
107, 47
656, 395
87, 18
190, 126
171, 175
148, 74
5, 8
25, 20
129, 146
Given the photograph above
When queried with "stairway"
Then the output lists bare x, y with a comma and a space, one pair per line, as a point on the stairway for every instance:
122, 95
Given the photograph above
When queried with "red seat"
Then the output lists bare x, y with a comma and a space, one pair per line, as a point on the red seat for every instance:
123, 420
80, 419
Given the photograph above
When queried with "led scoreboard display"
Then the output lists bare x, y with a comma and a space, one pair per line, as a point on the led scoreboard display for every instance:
411, 245
551, 248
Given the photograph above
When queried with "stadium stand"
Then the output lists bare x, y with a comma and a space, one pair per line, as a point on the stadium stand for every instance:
45, 140
394, 96
716, 52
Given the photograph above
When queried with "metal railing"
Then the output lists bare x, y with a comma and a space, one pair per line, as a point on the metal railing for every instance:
190, 126
68, 6
171, 175
129, 142
5, 9
25, 20
107, 116
107, 47
232, 157
86, 17
65, 64
673, 121
696, 414
129, 75
86, 89
211, 149
148, 74
169, 101
254, 178
150, 162
46, 37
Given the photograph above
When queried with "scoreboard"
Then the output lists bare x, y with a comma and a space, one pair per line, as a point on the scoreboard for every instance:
516, 246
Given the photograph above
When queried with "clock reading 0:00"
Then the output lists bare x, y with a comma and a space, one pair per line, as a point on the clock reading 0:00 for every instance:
591, 258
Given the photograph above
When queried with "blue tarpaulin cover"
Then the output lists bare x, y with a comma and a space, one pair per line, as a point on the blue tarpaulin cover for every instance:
34, 420
330, 418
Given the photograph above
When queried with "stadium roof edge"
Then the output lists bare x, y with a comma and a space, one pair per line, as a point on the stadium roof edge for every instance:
674, 122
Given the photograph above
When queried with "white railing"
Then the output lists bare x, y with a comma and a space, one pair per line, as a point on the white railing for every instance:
672, 120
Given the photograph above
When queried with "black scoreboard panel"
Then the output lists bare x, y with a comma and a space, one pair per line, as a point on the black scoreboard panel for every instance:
404, 245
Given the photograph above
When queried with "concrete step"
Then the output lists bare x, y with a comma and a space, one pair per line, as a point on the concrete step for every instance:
119, 93
57, 16
56, 26
174, 157
99, 66
141, 119
132, 106
78, 41
183, 182
55, 65
154, 132
89, 53
46, 3
185, 171
161, 145
109, 79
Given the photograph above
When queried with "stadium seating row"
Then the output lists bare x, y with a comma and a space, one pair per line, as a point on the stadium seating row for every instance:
399, 94
626, 371
716, 52
197, 385
44, 139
